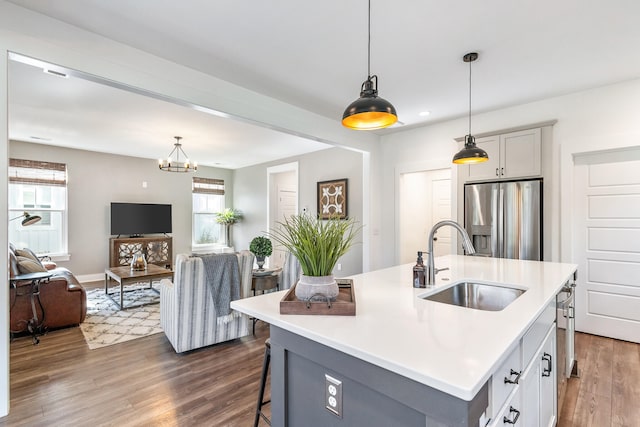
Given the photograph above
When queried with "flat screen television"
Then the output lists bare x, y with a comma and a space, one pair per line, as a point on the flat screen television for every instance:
137, 219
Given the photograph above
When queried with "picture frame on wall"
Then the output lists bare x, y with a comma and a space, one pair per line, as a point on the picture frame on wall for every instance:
332, 199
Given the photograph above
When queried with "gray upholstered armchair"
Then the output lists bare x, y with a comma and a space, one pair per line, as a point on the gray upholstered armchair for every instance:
194, 308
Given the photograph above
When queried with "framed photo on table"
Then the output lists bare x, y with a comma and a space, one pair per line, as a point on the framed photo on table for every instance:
332, 199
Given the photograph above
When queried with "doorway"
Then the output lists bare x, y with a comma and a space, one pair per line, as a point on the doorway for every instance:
283, 202
424, 199
606, 246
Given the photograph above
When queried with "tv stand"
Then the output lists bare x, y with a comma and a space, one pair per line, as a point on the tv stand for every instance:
156, 250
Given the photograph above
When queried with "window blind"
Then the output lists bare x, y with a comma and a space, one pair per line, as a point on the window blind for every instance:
37, 172
208, 186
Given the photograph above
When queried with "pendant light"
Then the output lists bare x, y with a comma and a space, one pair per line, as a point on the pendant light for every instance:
184, 165
369, 111
470, 153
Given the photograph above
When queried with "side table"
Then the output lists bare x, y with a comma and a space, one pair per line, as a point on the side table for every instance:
34, 325
264, 280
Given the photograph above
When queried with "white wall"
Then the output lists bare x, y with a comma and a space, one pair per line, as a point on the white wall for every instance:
598, 119
250, 195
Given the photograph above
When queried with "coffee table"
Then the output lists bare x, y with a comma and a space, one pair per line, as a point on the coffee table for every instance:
125, 275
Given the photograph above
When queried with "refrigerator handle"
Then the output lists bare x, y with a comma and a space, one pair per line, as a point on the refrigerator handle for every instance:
494, 221
501, 226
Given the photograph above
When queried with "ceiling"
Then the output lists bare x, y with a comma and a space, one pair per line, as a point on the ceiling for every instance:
314, 55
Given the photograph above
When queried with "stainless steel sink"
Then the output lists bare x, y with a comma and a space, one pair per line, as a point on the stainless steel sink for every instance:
480, 296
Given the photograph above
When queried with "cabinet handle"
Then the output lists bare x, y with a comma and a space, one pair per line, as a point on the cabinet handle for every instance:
512, 410
497, 173
547, 371
508, 380
501, 171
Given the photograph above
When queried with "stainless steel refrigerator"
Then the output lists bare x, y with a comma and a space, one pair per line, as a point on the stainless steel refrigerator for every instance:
504, 219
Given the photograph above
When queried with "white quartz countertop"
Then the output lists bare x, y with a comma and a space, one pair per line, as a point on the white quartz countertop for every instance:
450, 348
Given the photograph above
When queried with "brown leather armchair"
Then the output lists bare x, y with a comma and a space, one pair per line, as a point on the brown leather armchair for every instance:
62, 302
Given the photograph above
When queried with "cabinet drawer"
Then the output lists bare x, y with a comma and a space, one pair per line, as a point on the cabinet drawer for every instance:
509, 414
505, 379
537, 332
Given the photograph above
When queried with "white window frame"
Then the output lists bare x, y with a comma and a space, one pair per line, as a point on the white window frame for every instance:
42, 174
212, 187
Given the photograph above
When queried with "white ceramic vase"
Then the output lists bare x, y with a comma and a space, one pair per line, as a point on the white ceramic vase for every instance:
309, 286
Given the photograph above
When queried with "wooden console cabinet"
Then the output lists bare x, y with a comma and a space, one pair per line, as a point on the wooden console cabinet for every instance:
156, 250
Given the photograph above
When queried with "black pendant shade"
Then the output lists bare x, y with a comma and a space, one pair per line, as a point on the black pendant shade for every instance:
470, 153
369, 111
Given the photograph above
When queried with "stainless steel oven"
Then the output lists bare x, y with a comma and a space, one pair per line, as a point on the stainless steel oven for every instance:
565, 344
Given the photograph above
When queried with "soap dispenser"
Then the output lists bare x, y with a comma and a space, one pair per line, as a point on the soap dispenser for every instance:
419, 273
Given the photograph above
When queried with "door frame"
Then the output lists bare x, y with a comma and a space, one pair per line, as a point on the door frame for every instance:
590, 150
273, 170
581, 161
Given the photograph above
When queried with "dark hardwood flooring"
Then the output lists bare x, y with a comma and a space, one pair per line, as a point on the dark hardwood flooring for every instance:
60, 382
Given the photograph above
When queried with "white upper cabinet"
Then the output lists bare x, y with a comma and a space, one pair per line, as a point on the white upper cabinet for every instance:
486, 170
511, 155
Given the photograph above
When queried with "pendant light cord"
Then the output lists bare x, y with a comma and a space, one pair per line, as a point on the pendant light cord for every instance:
470, 97
369, 44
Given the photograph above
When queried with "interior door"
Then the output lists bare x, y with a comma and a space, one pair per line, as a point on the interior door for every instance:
424, 198
282, 203
287, 205
441, 210
607, 246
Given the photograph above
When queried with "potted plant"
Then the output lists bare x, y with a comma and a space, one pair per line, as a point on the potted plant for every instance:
261, 247
228, 217
317, 244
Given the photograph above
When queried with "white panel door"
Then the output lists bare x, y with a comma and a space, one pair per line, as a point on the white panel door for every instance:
287, 206
607, 248
424, 199
441, 210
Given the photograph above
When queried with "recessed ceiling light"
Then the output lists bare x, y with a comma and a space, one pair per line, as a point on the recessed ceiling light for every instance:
424, 113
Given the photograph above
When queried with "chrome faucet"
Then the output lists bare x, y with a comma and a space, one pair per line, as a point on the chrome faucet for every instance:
466, 243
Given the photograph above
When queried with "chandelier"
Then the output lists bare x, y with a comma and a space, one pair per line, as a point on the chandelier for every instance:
181, 162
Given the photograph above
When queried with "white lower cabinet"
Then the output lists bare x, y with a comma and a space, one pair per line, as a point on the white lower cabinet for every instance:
532, 400
539, 386
548, 382
531, 395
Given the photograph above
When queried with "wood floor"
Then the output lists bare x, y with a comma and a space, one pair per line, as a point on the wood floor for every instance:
60, 382
608, 390
145, 383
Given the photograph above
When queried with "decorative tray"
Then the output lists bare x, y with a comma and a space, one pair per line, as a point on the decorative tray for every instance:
344, 305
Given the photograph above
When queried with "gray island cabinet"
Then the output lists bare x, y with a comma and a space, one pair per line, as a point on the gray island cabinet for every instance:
403, 360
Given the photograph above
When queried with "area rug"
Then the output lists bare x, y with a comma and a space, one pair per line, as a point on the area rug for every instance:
106, 325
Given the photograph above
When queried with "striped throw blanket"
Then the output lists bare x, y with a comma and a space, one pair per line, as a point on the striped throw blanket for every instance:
223, 278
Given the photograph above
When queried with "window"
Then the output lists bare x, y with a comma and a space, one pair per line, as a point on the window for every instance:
208, 199
39, 188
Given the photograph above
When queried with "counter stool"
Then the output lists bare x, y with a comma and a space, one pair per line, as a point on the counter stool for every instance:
263, 382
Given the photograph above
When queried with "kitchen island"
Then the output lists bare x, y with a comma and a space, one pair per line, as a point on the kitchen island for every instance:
404, 360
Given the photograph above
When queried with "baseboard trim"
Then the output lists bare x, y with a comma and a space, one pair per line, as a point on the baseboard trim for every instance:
90, 277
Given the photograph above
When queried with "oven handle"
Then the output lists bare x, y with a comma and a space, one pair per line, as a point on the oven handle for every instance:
570, 291
565, 303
